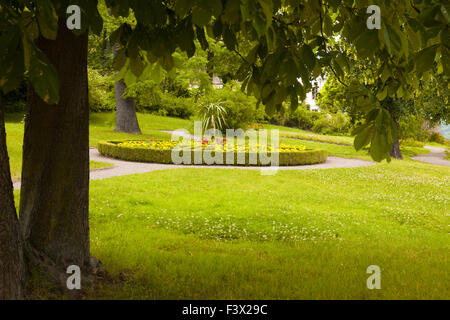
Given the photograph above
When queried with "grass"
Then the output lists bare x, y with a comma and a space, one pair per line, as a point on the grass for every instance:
236, 234
101, 128
297, 235
349, 151
99, 165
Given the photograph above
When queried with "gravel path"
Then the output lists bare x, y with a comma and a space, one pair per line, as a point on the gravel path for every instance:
123, 168
436, 156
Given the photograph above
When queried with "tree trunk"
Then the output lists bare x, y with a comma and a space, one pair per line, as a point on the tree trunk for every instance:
395, 152
126, 118
11, 254
54, 202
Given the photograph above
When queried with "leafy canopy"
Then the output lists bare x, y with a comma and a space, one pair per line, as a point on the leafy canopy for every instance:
293, 42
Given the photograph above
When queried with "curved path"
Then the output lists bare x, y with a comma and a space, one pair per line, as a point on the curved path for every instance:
436, 156
123, 168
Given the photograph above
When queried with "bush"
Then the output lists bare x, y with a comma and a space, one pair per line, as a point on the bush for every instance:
439, 138
411, 128
241, 109
101, 92
411, 143
173, 106
139, 154
149, 98
305, 118
332, 124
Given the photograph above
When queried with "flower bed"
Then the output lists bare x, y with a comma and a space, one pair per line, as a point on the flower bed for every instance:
160, 151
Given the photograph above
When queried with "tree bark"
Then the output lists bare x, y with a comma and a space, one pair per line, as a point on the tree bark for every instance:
54, 202
395, 152
126, 118
11, 254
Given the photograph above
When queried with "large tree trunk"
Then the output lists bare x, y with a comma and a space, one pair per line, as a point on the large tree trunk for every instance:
395, 152
11, 254
54, 202
126, 118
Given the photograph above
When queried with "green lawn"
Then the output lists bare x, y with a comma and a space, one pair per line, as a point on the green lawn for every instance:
235, 234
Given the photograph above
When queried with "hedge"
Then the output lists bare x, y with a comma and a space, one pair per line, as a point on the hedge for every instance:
112, 149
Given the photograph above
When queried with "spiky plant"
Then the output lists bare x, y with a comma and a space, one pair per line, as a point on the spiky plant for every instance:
213, 115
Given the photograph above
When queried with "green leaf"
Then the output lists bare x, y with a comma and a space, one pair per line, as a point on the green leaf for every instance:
392, 39
201, 16
11, 73
229, 38
182, 7
119, 60
47, 19
137, 65
362, 139
381, 95
425, 59
367, 43
308, 57
232, 11
44, 77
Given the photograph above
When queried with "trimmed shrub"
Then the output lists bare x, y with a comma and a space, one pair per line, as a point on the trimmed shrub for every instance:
112, 149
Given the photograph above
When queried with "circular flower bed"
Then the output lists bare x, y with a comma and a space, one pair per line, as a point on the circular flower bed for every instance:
161, 151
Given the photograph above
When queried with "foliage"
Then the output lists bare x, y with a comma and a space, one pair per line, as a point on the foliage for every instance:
213, 115
150, 97
241, 110
305, 118
332, 124
411, 143
439, 138
15, 101
413, 40
101, 92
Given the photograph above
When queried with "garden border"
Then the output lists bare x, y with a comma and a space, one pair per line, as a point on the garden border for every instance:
111, 149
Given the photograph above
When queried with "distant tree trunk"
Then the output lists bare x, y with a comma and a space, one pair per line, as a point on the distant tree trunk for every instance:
126, 118
54, 202
396, 153
11, 254
210, 57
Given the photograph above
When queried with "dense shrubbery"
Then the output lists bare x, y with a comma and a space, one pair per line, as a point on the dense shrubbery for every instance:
439, 138
305, 118
101, 92
411, 143
318, 122
334, 123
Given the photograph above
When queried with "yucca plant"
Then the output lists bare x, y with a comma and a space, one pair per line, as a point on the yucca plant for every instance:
213, 115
